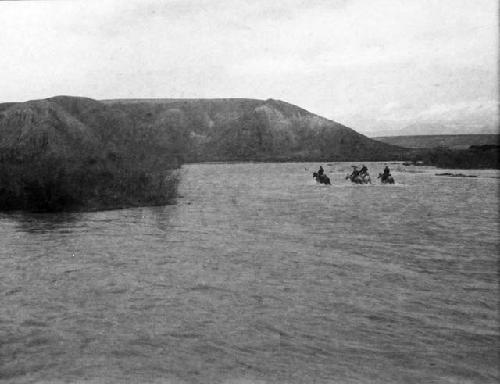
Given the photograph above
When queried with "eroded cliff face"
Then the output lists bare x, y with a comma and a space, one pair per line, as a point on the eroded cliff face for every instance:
40, 126
73, 126
188, 130
249, 129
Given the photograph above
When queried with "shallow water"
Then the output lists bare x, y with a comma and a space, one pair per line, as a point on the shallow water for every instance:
250, 280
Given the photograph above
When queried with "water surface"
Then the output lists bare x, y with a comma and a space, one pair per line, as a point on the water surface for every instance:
259, 275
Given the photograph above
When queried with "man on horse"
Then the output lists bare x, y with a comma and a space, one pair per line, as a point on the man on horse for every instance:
321, 176
387, 173
355, 172
364, 171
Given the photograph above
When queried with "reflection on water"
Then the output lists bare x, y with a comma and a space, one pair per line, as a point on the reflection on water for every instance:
249, 280
44, 222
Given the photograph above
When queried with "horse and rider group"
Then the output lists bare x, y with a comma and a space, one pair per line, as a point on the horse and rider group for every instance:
358, 176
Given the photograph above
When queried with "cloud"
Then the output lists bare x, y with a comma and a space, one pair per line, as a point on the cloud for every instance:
355, 61
461, 110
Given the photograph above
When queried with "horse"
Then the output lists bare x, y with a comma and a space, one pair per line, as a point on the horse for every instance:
359, 178
322, 179
387, 180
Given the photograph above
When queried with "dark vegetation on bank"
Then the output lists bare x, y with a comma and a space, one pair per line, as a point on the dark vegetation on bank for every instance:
466, 151
475, 157
49, 182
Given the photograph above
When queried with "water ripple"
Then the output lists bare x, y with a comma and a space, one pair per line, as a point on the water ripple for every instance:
251, 281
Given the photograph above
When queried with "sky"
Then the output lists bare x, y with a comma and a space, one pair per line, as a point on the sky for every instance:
378, 66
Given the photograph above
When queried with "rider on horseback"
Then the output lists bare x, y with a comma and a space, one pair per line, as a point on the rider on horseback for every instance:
355, 171
321, 176
387, 173
364, 171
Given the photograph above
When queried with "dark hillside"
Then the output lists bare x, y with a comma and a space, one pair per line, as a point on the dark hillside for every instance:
258, 130
4, 106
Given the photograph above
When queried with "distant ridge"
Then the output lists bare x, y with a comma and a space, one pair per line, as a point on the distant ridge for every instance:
167, 100
453, 141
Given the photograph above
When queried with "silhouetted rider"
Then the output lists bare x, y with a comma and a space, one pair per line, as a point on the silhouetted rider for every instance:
355, 171
364, 170
387, 173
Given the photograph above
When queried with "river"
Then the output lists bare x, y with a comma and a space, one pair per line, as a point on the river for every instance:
259, 275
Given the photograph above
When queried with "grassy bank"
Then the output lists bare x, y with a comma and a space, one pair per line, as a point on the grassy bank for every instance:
475, 157
51, 183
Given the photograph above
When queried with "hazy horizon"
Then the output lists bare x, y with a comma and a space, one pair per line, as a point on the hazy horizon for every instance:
383, 67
